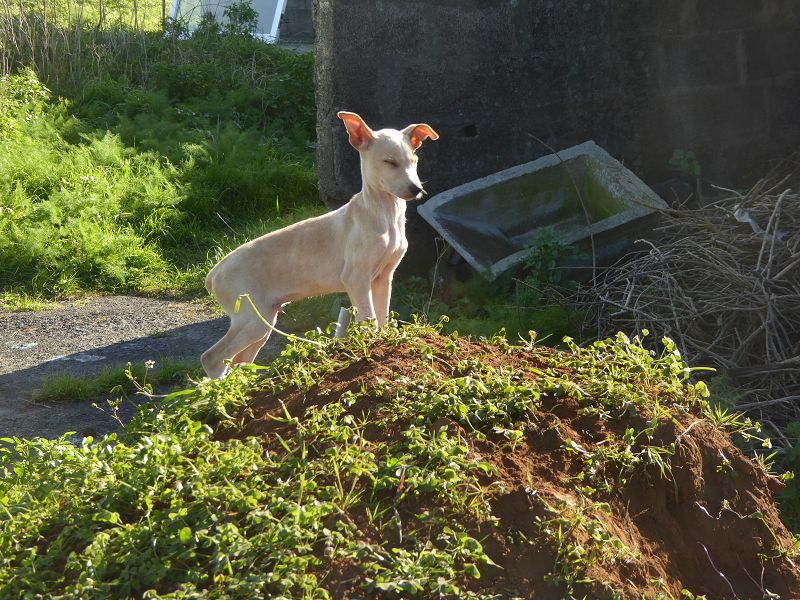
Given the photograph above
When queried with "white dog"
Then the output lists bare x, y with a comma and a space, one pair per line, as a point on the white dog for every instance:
354, 249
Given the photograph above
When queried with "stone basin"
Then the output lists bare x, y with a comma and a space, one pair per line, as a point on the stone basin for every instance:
492, 221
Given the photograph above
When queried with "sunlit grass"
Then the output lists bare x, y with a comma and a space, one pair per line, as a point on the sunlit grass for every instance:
136, 15
23, 302
83, 209
114, 381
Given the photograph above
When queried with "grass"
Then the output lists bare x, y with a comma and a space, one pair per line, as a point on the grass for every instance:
143, 14
136, 180
386, 480
98, 215
115, 380
478, 307
13, 301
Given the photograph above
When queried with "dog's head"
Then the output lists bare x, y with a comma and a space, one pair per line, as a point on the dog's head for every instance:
388, 156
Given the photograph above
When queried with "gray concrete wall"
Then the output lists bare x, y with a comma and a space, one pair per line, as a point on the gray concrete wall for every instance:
640, 77
297, 23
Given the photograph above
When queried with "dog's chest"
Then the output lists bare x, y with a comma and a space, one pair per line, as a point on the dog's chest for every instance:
378, 238
393, 242
397, 233
398, 229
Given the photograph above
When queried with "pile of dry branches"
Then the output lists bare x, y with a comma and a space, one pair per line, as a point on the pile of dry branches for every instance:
724, 283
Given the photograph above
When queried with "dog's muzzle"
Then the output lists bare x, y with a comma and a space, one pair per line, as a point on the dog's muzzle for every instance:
416, 193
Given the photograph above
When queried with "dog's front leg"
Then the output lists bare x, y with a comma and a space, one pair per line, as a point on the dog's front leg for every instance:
382, 294
382, 285
361, 299
360, 292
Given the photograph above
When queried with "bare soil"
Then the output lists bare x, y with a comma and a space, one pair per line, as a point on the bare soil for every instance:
83, 338
706, 529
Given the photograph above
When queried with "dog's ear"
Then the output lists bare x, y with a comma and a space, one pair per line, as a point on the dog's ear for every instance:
417, 133
359, 132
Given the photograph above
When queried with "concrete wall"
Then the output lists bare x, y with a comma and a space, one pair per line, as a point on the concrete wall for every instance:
640, 77
297, 24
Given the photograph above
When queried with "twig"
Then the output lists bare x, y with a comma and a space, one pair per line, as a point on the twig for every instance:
765, 403
720, 573
439, 257
725, 294
688, 429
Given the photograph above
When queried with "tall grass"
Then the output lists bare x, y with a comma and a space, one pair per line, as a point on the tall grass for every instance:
155, 151
71, 44
69, 39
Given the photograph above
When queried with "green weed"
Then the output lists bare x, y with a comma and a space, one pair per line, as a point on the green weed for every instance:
580, 540
67, 387
13, 301
242, 519
543, 264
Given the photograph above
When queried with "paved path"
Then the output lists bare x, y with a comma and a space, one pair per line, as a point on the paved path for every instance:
85, 338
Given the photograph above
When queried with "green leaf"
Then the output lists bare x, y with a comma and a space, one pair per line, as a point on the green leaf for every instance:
472, 571
186, 535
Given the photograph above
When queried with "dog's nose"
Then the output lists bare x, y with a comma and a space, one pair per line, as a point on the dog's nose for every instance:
415, 190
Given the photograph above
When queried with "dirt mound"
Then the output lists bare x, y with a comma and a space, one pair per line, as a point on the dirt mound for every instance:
603, 472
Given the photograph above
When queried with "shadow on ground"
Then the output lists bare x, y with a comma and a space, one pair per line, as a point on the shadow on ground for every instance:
20, 416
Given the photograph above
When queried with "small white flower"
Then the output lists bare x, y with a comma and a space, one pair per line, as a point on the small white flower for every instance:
149, 364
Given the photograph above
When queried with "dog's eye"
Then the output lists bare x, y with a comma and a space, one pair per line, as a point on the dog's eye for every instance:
390, 162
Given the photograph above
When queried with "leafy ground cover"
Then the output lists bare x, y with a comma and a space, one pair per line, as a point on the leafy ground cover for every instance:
405, 461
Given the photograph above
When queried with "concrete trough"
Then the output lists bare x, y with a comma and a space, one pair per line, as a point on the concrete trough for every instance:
493, 221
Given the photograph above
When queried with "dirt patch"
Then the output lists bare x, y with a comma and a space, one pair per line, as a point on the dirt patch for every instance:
708, 524
85, 338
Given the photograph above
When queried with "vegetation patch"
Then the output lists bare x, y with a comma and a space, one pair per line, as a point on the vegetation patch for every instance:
68, 387
404, 461
139, 173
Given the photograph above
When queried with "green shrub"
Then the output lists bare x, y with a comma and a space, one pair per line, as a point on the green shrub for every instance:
23, 90
140, 209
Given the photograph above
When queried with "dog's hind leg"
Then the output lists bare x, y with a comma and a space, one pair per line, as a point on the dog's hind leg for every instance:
249, 354
245, 334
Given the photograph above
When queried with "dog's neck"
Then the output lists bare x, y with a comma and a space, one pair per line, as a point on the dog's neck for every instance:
381, 202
